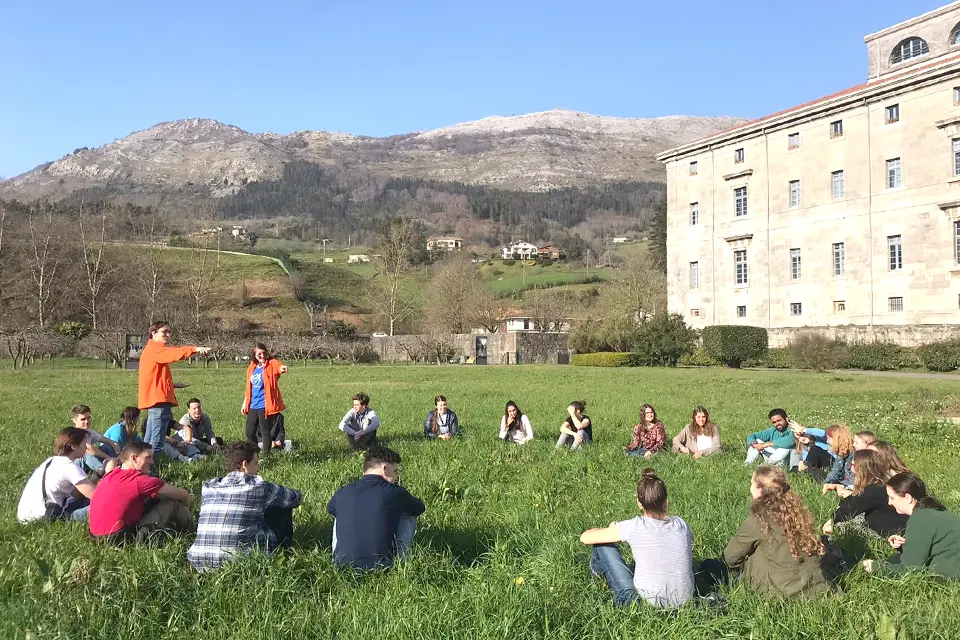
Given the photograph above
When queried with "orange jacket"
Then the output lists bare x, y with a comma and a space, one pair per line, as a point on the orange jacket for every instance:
272, 401
156, 381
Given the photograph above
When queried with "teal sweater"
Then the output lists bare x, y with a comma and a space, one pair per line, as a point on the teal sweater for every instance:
932, 542
780, 439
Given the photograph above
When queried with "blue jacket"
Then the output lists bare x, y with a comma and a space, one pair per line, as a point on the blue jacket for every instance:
452, 422
841, 472
818, 437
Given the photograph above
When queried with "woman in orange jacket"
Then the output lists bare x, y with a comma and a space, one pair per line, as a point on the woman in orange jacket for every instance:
262, 402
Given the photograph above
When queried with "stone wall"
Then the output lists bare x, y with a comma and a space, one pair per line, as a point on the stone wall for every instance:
906, 336
502, 348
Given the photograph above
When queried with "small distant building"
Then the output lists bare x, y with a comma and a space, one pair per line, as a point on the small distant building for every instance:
237, 231
619, 240
444, 243
526, 324
550, 252
357, 258
519, 251
328, 260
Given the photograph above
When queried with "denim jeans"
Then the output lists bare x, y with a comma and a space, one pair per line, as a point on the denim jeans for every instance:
771, 455
77, 509
566, 439
638, 452
158, 416
607, 562
406, 529
90, 462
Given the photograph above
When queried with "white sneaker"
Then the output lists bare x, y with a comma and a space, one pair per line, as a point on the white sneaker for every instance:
287, 446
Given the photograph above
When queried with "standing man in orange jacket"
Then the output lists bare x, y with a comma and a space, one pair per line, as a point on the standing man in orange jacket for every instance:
155, 395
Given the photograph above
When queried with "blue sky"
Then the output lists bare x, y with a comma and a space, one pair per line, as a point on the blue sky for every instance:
85, 73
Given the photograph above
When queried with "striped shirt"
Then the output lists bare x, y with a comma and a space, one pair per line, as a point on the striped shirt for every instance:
663, 553
231, 518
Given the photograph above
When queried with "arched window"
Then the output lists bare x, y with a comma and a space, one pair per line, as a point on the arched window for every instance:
955, 35
909, 48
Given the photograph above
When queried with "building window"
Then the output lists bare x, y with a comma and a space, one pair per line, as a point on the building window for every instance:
741, 276
694, 170
836, 184
839, 306
896, 253
694, 313
956, 156
694, 213
895, 305
956, 96
839, 259
694, 275
740, 201
956, 241
892, 114
794, 193
836, 129
893, 173
742, 311
738, 155
793, 141
909, 48
796, 308
794, 264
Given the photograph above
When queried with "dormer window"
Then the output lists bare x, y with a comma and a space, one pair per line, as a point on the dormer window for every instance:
910, 48
955, 35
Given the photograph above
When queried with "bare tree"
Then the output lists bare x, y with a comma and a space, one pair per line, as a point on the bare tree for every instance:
43, 252
452, 295
97, 271
549, 311
388, 292
3, 224
301, 286
639, 289
151, 268
203, 272
489, 311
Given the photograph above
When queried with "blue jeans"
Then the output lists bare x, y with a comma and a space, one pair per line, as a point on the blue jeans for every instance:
90, 462
158, 416
771, 455
638, 452
607, 562
406, 529
77, 509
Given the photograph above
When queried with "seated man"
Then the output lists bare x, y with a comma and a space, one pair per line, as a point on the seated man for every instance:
196, 428
99, 450
374, 517
175, 448
775, 443
129, 503
241, 512
56, 481
360, 424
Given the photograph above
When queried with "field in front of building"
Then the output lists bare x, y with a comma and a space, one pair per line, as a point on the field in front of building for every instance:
497, 552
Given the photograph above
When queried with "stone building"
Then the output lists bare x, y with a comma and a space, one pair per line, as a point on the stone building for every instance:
844, 211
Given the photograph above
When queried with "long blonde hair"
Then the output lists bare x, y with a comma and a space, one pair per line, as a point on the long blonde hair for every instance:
842, 439
778, 505
868, 469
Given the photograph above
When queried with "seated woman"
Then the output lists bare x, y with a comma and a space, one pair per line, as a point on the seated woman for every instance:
863, 440
699, 438
58, 489
576, 429
812, 451
869, 504
889, 458
662, 547
932, 538
441, 423
649, 436
125, 430
776, 549
514, 426
840, 477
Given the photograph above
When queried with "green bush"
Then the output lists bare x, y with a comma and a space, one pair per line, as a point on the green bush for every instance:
875, 356
816, 351
606, 359
698, 358
943, 355
509, 263
662, 340
734, 344
75, 330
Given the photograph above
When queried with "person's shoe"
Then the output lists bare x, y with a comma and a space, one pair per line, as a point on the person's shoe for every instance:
287, 446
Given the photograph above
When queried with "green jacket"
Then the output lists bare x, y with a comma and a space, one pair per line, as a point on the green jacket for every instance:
932, 542
780, 439
765, 563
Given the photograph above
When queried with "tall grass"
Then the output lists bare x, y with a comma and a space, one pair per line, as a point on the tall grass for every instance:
497, 552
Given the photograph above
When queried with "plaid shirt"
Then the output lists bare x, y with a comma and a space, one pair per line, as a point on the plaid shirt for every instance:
652, 439
231, 518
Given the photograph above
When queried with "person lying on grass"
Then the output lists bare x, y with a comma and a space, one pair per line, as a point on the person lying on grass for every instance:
441, 422
932, 538
514, 425
242, 512
868, 508
100, 450
131, 504
374, 518
577, 429
360, 424
59, 482
662, 547
776, 550
774, 444
699, 438
649, 435
840, 477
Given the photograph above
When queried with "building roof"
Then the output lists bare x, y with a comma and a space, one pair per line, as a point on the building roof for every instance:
912, 21
859, 91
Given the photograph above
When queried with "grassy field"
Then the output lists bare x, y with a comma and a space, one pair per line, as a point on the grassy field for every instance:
497, 552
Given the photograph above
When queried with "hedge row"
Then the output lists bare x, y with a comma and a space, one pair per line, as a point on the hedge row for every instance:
604, 359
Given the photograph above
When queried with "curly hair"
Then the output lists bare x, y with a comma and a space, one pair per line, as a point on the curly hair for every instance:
779, 506
868, 469
842, 439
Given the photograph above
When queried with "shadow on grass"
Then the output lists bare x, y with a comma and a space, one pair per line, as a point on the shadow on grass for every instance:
316, 534
467, 546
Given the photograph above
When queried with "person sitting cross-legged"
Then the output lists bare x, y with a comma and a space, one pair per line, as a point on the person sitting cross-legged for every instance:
774, 444
242, 512
58, 489
196, 428
360, 424
374, 517
128, 503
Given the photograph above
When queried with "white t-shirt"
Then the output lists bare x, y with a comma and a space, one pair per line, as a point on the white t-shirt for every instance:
663, 553
519, 436
443, 422
704, 443
62, 476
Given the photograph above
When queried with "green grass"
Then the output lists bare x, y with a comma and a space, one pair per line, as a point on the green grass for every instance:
515, 278
494, 513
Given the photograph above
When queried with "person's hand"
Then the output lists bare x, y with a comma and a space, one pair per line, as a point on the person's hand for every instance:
244, 409
843, 492
570, 410
648, 455
91, 448
444, 436
626, 448
578, 438
869, 566
804, 440
283, 368
203, 350
698, 455
828, 528
801, 466
757, 445
826, 488
358, 435
896, 541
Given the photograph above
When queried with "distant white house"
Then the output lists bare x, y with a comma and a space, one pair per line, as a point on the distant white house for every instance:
328, 260
441, 243
619, 240
357, 258
237, 231
519, 251
526, 324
